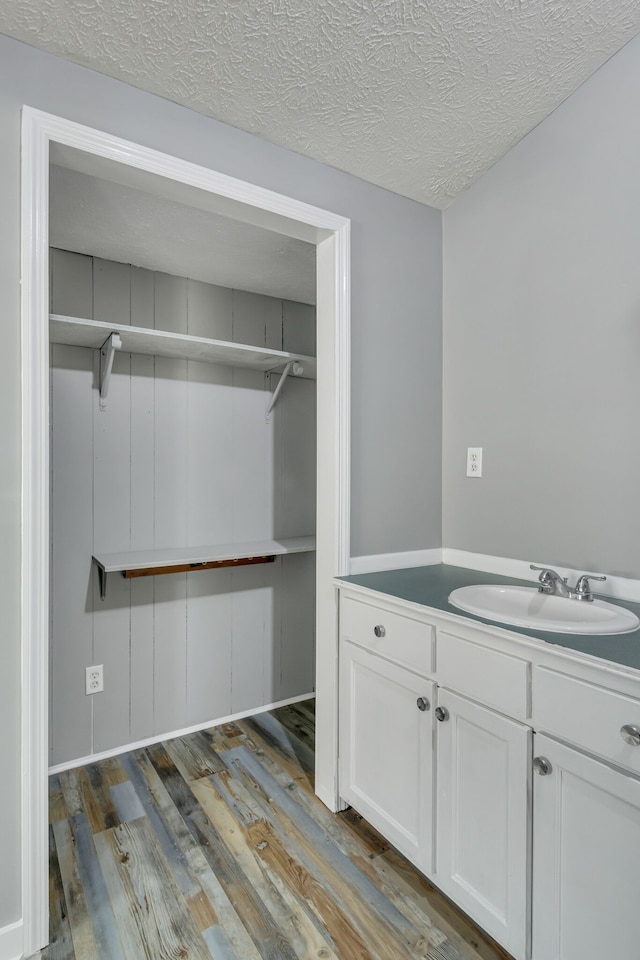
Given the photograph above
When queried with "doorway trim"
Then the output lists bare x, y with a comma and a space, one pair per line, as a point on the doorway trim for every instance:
331, 234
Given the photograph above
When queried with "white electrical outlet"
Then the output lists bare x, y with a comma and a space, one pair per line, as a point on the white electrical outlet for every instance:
474, 461
94, 680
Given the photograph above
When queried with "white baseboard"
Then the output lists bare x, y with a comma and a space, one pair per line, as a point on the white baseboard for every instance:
171, 735
12, 941
395, 561
621, 588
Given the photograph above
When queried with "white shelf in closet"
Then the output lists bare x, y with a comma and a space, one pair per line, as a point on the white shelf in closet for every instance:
146, 563
80, 332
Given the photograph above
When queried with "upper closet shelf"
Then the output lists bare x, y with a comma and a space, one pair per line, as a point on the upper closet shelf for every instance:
148, 563
80, 332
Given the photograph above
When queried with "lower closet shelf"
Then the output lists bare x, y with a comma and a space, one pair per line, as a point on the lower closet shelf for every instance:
149, 563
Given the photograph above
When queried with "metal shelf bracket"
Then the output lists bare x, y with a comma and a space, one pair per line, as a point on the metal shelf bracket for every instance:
294, 368
107, 353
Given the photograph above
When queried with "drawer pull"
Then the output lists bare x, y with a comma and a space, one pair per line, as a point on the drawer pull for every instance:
630, 733
423, 703
441, 713
542, 766
379, 630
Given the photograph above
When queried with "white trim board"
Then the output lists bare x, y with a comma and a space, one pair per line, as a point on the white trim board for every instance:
93, 151
11, 941
139, 744
395, 561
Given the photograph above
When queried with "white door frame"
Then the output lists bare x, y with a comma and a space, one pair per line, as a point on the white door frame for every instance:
282, 214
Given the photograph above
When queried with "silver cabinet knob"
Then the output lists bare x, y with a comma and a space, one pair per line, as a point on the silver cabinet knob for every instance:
542, 766
441, 713
423, 703
379, 630
630, 733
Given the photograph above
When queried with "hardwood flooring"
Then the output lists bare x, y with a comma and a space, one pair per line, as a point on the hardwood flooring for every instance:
213, 846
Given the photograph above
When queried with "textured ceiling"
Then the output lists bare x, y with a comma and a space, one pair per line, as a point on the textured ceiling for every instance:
94, 216
419, 96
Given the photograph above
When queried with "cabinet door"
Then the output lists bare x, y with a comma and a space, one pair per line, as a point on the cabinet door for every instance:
386, 750
482, 839
586, 858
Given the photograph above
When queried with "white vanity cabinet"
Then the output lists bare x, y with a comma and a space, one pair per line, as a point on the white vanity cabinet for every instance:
586, 819
517, 792
387, 750
483, 763
386, 727
586, 857
483, 749
392, 729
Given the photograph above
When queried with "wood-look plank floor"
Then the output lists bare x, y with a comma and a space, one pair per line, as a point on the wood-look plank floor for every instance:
213, 846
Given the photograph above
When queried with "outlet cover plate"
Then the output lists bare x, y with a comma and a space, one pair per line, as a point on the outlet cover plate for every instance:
93, 680
474, 461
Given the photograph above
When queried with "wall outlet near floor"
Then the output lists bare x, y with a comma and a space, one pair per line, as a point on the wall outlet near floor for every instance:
474, 461
94, 680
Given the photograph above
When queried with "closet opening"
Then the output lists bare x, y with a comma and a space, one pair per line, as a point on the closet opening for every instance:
191, 333
183, 466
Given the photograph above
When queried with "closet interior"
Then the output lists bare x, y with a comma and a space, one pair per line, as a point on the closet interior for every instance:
183, 465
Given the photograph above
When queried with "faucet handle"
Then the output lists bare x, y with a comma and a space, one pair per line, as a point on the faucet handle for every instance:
547, 574
583, 590
547, 578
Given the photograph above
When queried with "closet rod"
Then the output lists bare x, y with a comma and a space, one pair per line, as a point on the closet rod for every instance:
179, 568
191, 567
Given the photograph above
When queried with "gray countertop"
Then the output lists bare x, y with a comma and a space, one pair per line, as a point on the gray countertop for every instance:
432, 585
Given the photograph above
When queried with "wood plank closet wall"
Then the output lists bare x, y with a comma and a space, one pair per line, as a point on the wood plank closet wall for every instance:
181, 456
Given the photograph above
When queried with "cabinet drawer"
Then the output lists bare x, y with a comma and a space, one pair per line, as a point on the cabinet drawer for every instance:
395, 636
489, 676
589, 716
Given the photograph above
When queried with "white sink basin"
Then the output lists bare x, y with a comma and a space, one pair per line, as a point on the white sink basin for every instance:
527, 607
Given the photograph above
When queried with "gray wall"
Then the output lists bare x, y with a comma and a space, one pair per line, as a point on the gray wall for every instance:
181, 456
396, 322
542, 338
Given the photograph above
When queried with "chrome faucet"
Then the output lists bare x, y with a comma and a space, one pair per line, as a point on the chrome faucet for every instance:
554, 585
